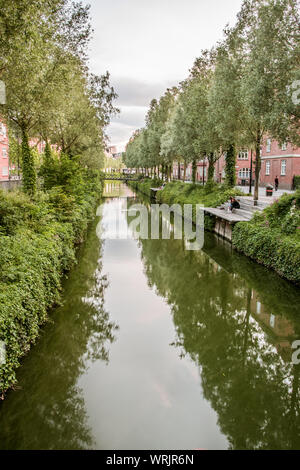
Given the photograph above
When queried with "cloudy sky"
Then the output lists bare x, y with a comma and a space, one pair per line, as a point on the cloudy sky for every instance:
149, 45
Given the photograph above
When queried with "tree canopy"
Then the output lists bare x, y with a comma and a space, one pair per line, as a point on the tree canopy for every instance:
50, 93
236, 95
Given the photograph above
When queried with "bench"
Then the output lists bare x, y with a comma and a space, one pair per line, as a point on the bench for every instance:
225, 219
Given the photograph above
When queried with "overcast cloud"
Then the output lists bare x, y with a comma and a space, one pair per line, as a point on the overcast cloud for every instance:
149, 45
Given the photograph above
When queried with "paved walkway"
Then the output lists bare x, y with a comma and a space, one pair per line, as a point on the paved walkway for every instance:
262, 194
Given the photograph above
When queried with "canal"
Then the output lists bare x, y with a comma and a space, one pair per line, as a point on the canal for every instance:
158, 347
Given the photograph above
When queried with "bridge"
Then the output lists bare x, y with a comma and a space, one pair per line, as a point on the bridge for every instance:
125, 178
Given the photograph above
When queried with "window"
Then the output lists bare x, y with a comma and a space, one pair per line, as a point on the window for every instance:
243, 155
283, 167
2, 129
258, 307
268, 145
4, 171
244, 173
284, 146
4, 153
268, 166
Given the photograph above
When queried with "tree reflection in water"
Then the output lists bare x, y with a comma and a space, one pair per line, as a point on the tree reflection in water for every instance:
48, 412
243, 352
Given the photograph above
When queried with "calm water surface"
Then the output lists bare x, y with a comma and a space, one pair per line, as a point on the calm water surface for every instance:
157, 347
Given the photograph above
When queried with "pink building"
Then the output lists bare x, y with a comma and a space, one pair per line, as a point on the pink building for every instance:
39, 145
278, 160
4, 151
111, 151
4, 160
242, 168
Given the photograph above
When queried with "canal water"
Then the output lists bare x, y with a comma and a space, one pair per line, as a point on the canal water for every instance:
159, 347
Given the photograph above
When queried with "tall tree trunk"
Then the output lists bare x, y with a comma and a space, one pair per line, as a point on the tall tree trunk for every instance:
230, 166
184, 171
179, 169
257, 165
28, 169
251, 172
48, 170
211, 168
194, 170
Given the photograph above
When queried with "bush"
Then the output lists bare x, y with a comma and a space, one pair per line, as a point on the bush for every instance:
296, 182
37, 246
177, 192
144, 185
272, 237
269, 248
210, 195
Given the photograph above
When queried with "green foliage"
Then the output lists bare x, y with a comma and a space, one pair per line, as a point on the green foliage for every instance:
145, 185
208, 195
272, 237
230, 166
176, 192
47, 169
296, 181
50, 95
37, 245
236, 94
269, 248
28, 168
15, 153
50, 92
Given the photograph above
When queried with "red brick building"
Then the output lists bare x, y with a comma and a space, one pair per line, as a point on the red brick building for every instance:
243, 167
278, 160
5, 168
4, 160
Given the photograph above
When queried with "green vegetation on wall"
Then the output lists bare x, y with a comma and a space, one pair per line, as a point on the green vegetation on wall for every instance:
38, 237
177, 192
272, 237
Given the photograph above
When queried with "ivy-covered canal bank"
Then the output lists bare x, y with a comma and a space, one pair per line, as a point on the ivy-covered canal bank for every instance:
38, 238
271, 238
177, 192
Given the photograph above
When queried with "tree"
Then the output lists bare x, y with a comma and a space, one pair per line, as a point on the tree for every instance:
49, 91
28, 168
198, 125
32, 71
266, 39
168, 150
48, 170
156, 121
225, 104
230, 166
23, 20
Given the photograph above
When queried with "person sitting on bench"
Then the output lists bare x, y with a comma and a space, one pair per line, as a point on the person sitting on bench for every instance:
234, 204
